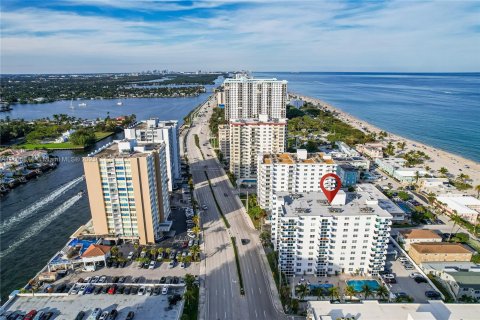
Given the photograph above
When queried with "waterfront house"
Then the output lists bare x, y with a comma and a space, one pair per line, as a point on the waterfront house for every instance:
466, 207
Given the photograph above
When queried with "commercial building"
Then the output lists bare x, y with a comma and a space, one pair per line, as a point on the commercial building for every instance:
408, 237
439, 252
467, 207
314, 237
250, 138
128, 191
373, 310
348, 174
290, 172
247, 97
372, 150
224, 140
156, 131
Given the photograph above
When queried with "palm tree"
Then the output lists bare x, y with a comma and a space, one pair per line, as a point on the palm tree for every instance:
160, 251
136, 246
382, 292
401, 145
427, 168
319, 293
195, 251
189, 280
456, 220
350, 292
302, 291
114, 251
153, 253
265, 237
196, 230
443, 171
334, 293
168, 251
390, 149
477, 188
366, 291
417, 176
189, 296
431, 197
196, 220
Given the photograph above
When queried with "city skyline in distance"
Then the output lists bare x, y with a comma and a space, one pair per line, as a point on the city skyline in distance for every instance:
122, 36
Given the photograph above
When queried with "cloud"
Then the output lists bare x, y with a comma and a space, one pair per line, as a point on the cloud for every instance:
108, 35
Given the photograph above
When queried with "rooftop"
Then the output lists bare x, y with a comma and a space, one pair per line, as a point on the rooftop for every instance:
368, 310
292, 158
460, 203
451, 266
440, 247
156, 123
96, 250
361, 202
466, 279
420, 234
125, 149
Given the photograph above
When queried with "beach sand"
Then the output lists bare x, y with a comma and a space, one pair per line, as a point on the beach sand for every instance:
439, 158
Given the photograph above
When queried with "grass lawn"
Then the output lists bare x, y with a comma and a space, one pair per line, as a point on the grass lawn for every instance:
64, 145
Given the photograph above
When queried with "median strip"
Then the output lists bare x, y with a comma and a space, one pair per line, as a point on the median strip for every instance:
197, 143
237, 261
216, 203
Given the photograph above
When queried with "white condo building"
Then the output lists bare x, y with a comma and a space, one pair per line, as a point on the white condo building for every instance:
156, 131
316, 238
249, 138
246, 97
291, 172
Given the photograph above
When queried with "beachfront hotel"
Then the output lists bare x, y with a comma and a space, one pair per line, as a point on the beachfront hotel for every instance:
313, 237
128, 191
156, 131
245, 97
249, 138
291, 172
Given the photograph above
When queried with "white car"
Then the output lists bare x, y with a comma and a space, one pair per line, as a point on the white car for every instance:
74, 290
164, 290
204, 207
403, 259
152, 265
415, 274
103, 279
88, 280
389, 276
409, 267
82, 290
104, 315
130, 256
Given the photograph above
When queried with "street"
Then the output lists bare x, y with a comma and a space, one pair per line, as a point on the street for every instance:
222, 293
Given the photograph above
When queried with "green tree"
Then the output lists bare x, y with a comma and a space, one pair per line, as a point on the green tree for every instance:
477, 188
334, 293
390, 149
195, 251
265, 237
350, 292
443, 171
160, 251
153, 253
189, 281
382, 292
196, 230
302, 291
367, 292
189, 296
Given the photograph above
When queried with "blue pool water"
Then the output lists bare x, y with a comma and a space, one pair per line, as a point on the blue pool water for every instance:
358, 284
85, 244
404, 207
320, 285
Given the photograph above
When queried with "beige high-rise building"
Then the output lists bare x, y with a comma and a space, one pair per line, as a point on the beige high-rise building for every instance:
250, 138
128, 191
224, 140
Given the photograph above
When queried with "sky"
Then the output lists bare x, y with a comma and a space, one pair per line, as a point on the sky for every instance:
83, 36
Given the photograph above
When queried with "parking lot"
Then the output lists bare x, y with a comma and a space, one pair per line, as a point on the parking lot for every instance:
67, 307
405, 283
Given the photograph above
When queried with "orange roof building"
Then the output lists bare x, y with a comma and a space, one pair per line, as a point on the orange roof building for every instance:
439, 252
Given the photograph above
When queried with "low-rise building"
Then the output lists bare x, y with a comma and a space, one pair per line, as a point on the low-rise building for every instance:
348, 174
395, 167
250, 138
407, 237
291, 172
372, 150
312, 236
373, 310
345, 149
439, 252
436, 185
467, 207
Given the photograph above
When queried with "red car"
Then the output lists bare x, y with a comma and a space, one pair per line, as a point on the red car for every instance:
30, 315
112, 290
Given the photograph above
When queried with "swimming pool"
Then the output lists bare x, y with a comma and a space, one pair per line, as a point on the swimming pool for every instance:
85, 244
313, 286
404, 207
358, 284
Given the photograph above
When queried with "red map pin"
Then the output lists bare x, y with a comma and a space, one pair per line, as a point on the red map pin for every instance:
330, 194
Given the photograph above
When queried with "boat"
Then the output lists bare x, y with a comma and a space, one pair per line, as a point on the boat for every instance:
83, 104
71, 104
119, 103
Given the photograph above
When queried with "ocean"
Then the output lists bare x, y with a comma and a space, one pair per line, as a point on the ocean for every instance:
440, 109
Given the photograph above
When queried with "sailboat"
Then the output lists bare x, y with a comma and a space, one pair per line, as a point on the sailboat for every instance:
82, 104
119, 102
71, 104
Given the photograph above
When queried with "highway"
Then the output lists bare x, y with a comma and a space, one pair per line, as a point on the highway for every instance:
221, 298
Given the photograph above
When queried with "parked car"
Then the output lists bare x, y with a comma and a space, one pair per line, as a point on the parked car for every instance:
432, 294
204, 207
95, 314
95, 279
156, 291
420, 280
98, 290
134, 290
141, 291
39, 315
105, 289
130, 315
102, 279
163, 280
112, 289
415, 274
89, 289
401, 295
82, 289
48, 315
112, 315
409, 267
164, 290
121, 280
152, 265
171, 264
149, 291
127, 290
80, 315
389, 276
103, 316
130, 255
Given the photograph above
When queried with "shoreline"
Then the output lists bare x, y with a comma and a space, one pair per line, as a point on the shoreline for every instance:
440, 158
